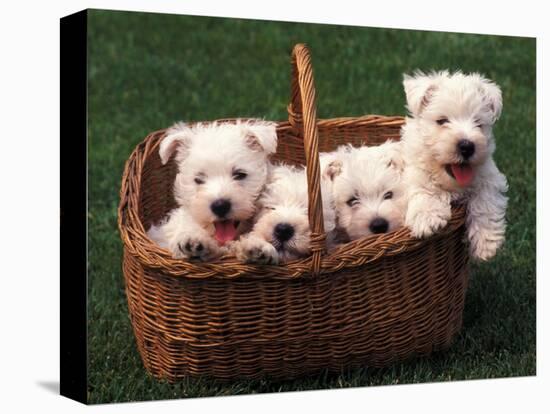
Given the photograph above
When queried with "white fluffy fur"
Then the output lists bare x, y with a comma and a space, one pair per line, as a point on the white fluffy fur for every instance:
212, 153
471, 104
372, 178
285, 200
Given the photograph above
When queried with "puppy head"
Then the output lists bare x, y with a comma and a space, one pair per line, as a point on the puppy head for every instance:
453, 116
222, 169
368, 191
283, 219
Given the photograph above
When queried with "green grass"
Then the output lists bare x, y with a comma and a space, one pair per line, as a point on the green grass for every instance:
148, 70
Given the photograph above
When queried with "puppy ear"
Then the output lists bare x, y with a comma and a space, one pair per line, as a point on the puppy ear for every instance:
329, 209
177, 139
333, 169
397, 164
393, 155
262, 136
331, 162
419, 90
493, 97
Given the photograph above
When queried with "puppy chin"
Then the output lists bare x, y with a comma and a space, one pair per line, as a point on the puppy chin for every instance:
287, 254
358, 232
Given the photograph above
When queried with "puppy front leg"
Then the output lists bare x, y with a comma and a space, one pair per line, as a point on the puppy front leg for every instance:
485, 222
427, 212
255, 249
186, 239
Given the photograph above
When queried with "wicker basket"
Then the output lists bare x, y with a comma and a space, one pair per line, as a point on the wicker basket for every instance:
371, 302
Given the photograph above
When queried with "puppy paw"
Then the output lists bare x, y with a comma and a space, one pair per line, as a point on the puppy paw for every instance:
199, 247
256, 250
426, 223
484, 245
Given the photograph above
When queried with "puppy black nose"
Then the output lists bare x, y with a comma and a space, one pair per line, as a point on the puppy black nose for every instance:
466, 148
283, 232
220, 207
379, 225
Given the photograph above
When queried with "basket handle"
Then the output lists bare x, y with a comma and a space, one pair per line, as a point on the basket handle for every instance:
302, 115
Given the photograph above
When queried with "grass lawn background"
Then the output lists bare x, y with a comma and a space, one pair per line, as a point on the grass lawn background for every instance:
148, 70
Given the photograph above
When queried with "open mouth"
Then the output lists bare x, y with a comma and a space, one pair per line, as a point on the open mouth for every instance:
225, 230
462, 173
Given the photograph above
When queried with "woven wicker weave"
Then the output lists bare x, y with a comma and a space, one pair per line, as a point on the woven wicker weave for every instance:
371, 302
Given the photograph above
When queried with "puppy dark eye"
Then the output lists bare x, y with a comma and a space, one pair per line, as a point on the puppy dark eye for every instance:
442, 121
352, 201
199, 180
388, 195
478, 123
239, 175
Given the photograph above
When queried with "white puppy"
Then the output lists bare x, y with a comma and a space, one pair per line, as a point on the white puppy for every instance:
281, 231
367, 187
222, 169
448, 146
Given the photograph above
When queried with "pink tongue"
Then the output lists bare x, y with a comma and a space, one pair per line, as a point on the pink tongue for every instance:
225, 231
464, 174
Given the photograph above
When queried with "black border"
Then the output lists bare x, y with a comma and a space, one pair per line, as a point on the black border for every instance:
73, 260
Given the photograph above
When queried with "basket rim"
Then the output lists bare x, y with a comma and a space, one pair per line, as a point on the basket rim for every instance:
350, 255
